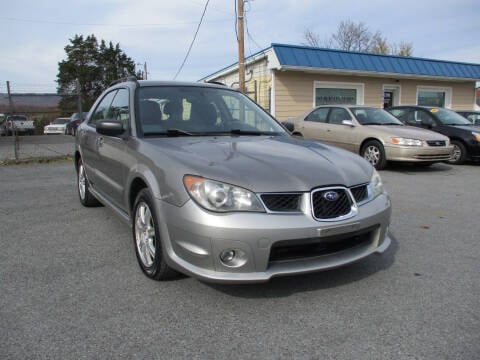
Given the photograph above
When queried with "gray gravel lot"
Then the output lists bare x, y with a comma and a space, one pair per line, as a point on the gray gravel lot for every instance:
70, 287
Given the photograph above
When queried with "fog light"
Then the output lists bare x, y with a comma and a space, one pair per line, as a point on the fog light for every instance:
227, 256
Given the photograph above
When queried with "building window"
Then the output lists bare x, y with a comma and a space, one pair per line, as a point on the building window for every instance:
434, 96
328, 93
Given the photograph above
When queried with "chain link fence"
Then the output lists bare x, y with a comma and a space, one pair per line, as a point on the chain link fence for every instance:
25, 109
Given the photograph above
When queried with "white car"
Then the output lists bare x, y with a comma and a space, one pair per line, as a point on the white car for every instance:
57, 126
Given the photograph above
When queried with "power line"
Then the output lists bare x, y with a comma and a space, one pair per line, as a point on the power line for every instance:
248, 32
103, 24
193, 41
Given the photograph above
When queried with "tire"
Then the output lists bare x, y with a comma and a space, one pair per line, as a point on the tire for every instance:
374, 153
459, 153
146, 239
83, 188
297, 134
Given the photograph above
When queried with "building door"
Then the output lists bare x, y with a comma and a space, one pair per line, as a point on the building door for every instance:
391, 96
387, 99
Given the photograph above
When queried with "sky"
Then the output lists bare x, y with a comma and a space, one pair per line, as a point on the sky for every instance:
33, 34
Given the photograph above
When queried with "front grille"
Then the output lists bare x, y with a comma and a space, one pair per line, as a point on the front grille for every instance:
288, 250
330, 208
282, 202
360, 193
436, 142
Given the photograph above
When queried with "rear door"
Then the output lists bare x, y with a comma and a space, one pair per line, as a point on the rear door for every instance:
314, 126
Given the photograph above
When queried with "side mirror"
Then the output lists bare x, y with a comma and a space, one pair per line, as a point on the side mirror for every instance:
348, 123
110, 128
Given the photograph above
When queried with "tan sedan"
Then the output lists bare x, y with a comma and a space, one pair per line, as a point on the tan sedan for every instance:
373, 133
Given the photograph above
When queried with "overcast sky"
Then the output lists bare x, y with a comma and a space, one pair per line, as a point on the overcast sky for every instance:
33, 34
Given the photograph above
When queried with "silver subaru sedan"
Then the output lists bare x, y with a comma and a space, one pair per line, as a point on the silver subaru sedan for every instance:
214, 187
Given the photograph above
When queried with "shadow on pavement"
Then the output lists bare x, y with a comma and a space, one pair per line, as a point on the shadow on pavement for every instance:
286, 286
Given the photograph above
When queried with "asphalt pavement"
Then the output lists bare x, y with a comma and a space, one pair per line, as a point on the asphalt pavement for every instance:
70, 287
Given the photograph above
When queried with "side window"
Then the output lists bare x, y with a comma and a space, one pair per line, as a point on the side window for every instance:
318, 115
400, 114
337, 115
423, 118
119, 109
101, 112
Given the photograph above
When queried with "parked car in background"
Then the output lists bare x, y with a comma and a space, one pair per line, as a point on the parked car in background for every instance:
19, 124
57, 126
373, 133
214, 187
473, 116
464, 136
75, 120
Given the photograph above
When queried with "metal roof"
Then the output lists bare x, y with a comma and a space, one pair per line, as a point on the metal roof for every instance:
318, 58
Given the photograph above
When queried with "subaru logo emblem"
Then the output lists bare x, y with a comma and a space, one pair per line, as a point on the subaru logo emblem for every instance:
330, 196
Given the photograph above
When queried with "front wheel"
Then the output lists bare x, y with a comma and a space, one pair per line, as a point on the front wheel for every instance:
459, 153
146, 235
374, 153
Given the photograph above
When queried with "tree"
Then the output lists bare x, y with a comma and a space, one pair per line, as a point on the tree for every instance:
352, 36
92, 67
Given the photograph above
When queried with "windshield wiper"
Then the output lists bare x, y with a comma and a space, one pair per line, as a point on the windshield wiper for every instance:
170, 133
251, 132
370, 123
392, 124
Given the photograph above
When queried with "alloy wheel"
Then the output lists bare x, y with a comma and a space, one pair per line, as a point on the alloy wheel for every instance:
372, 155
145, 234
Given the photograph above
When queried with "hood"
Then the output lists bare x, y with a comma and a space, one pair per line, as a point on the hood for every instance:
409, 132
264, 164
470, 128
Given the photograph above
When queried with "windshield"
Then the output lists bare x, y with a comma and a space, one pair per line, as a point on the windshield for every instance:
195, 111
449, 117
60, 121
374, 116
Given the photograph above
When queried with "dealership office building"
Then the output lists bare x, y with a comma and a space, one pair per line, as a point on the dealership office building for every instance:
288, 80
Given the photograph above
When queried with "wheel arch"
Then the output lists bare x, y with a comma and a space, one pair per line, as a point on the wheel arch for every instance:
365, 141
136, 186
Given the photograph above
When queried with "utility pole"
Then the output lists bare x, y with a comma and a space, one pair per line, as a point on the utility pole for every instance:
145, 69
79, 93
10, 101
241, 47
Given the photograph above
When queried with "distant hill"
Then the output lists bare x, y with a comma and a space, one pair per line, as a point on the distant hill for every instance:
30, 102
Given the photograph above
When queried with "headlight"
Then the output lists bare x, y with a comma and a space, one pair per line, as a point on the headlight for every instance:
476, 136
217, 196
376, 185
406, 142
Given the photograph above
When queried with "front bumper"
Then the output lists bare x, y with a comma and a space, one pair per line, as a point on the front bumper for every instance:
193, 240
53, 131
418, 153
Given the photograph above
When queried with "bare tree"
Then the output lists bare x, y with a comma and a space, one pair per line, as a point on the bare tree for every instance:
313, 39
379, 45
404, 49
353, 36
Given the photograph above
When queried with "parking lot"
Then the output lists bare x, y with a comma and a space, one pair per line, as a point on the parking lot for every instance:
71, 287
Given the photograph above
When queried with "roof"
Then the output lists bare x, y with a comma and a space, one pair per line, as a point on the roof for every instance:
305, 58
309, 57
